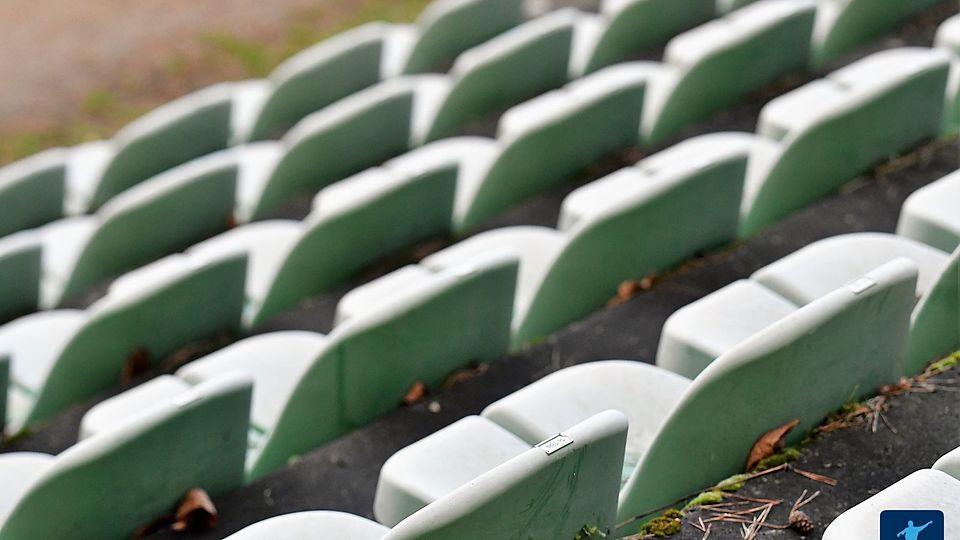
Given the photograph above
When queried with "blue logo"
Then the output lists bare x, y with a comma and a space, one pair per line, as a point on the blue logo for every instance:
911, 525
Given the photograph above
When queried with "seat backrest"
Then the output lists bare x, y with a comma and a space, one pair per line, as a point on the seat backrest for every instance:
556, 135
834, 129
156, 314
20, 268
108, 485
935, 330
518, 64
160, 216
175, 133
550, 492
636, 25
32, 191
361, 219
805, 366
318, 76
636, 230
449, 27
717, 63
373, 359
360, 131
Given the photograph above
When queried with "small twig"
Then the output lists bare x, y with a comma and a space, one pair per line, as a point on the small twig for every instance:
816, 477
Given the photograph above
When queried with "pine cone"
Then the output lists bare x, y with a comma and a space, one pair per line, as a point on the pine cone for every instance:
801, 522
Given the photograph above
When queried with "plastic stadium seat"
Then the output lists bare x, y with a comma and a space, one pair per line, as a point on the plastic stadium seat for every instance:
948, 38
371, 361
843, 25
571, 480
4, 386
360, 131
949, 463
115, 481
936, 319
440, 463
20, 267
726, 6
155, 218
61, 357
522, 62
299, 525
551, 138
811, 272
715, 64
699, 333
923, 490
833, 129
449, 27
182, 130
635, 25
32, 191
600, 247
363, 218
361, 370
830, 336
319, 76
932, 214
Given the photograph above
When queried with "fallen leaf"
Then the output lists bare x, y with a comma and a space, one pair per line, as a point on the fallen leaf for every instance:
769, 443
415, 394
137, 364
195, 512
465, 375
629, 289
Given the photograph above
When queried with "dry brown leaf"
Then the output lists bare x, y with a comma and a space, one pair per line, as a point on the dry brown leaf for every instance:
769, 443
629, 289
195, 512
415, 394
465, 375
137, 364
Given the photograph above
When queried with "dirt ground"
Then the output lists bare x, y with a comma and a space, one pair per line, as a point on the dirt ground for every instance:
55, 53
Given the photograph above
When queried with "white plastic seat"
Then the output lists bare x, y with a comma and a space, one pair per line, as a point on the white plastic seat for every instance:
85, 166
932, 214
819, 268
19, 472
439, 464
697, 334
300, 525
923, 490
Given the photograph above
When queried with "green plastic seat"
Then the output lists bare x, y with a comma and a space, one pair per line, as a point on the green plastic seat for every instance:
948, 38
175, 133
358, 132
154, 311
633, 26
319, 76
362, 219
158, 217
845, 345
516, 65
843, 25
551, 138
714, 65
449, 27
108, 485
32, 191
4, 384
554, 490
833, 129
371, 360
935, 329
20, 267
618, 228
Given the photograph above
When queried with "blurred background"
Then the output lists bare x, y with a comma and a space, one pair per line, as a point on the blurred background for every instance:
72, 71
